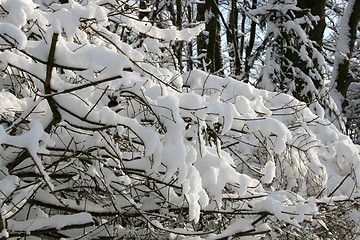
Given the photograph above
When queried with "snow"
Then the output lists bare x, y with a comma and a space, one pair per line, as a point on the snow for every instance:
4, 233
186, 34
57, 222
269, 172
13, 35
342, 43
34, 141
11, 103
8, 185
239, 225
19, 11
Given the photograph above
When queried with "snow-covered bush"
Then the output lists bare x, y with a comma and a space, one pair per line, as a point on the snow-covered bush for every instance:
99, 140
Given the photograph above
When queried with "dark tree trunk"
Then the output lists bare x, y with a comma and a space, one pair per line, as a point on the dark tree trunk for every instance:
211, 44
190, 46
250, 46
343, 77
201, 39
232, 37
179, 45
242, 39
214, 41
143, 9
317, 8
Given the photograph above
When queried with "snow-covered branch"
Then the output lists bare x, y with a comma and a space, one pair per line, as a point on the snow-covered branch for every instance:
103, 139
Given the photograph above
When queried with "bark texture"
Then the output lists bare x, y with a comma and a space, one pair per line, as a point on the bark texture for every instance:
343, 77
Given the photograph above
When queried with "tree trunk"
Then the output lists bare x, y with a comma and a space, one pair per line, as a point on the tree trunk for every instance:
214, 41
190, 46
242, 39
345, 47
317, 8
201, 39
143, 9
250, 46
210, 44
232, 37
179, 45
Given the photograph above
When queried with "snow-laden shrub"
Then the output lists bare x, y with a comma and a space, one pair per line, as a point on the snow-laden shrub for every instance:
99, 141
